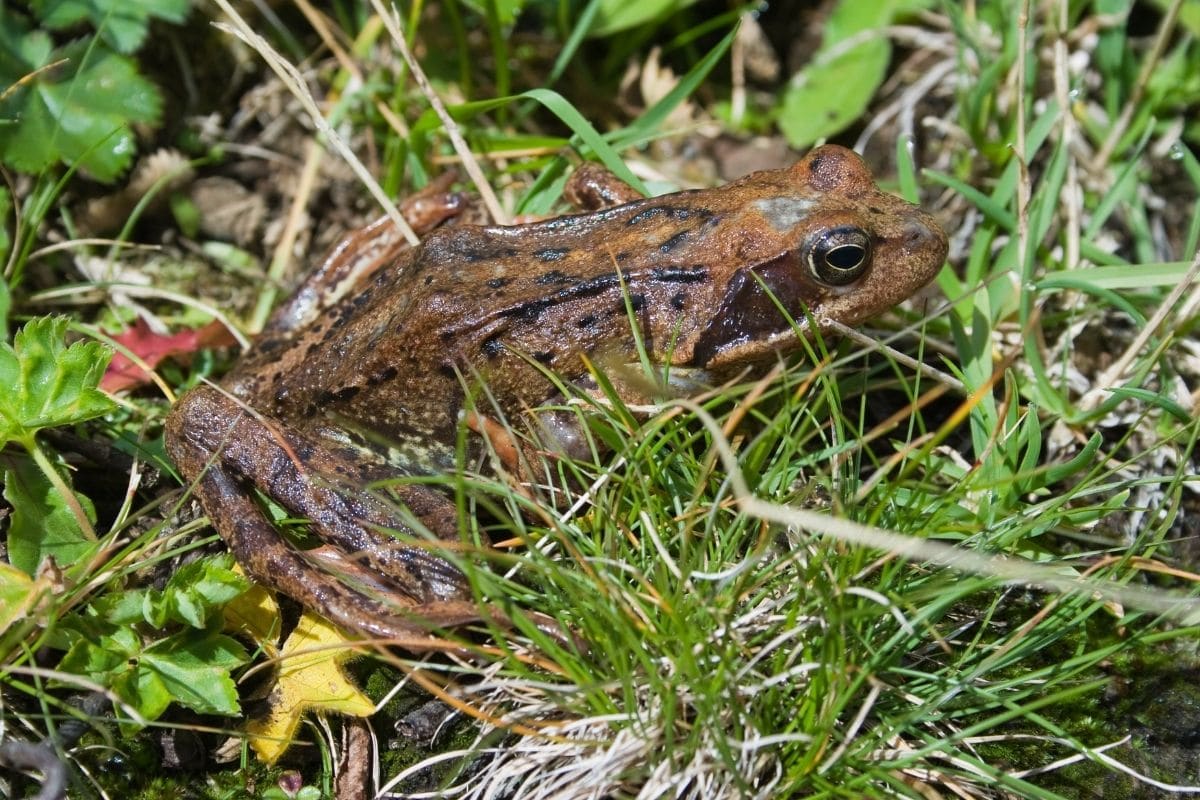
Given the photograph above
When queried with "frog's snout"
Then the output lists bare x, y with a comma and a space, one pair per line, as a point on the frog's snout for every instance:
924, 240
929, 238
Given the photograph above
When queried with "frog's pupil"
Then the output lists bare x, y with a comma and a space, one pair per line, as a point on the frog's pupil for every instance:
846, 256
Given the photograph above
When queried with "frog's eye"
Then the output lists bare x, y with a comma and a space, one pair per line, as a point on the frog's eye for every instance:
839, 256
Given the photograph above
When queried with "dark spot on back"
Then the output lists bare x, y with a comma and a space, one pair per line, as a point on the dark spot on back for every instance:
385, 374
590, 288
528, 312
477, 254
673, 242
344, 315
636, 301
671, 212
346, 393
694, 274
492, 347
551, 253
679, 301
544, 357
552, 277
498, 283
586, 321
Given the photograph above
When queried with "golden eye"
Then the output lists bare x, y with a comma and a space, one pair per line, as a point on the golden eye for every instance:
839, 256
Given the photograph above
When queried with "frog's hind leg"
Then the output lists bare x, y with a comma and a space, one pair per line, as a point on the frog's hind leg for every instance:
270, 560
365, 579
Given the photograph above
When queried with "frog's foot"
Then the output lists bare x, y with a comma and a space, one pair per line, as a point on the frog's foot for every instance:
500, 438
364, 579
555, 433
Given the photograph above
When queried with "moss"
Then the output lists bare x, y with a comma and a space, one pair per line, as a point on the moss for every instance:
1152, 699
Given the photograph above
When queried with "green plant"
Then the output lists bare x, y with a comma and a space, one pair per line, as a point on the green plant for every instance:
76, 102
48, 384
738, 645
154, 648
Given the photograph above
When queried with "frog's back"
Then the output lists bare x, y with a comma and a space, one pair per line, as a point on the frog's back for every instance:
489, 300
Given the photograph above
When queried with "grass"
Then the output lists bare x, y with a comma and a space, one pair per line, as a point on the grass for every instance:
844, 578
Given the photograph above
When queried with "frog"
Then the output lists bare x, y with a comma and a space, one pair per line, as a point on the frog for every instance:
368, 373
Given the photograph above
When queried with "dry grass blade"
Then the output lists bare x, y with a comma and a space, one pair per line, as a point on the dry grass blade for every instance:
392, 21
292, 79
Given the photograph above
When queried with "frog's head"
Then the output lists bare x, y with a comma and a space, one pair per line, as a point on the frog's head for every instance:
844, 251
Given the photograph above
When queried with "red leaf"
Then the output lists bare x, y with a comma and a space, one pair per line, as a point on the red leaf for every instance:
153, 347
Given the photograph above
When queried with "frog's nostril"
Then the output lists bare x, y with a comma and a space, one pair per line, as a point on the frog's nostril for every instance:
916, 233
920, 235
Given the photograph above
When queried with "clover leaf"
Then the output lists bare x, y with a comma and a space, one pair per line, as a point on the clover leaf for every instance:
46, 383
45, 519
195, 594
122, 23
80, 111
191, 667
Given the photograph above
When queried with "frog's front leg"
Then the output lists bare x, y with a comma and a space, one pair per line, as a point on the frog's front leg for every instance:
591, 187
360, 253
365, 580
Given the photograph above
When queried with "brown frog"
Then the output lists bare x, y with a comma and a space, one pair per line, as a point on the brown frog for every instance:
364, 374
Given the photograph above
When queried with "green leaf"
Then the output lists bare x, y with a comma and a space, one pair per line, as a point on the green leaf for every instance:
103, 659
201, 589
144, 690
506, 11
47, 383
191, 668
79, 112
615, 16
20, 48
20, 595
121, 23
834, 89
194, 669
5, 301
121, 608
195, 594
42, 524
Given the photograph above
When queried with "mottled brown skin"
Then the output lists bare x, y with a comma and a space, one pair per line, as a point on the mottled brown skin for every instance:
363, 379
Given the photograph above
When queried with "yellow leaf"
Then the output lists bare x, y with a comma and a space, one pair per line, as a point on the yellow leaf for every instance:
311, 678
19, 594
254, 613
